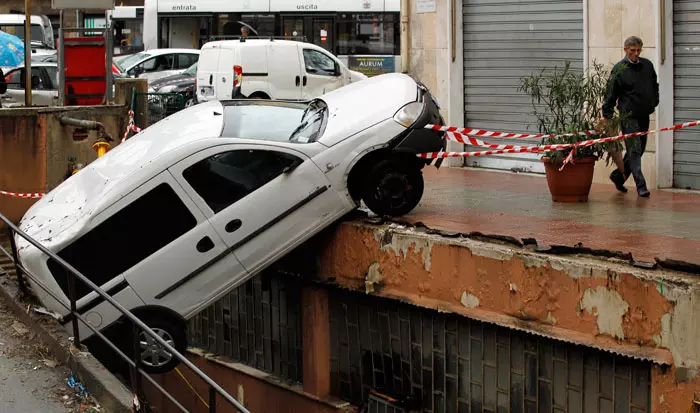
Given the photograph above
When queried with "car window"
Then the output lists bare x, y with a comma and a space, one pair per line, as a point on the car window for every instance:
318, 63
128, 61
14, 79
253, 121
138, 230
191, 71
17, 79
225, 178
185, 60
52, 73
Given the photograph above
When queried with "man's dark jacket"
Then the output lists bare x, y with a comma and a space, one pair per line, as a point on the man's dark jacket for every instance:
634, 87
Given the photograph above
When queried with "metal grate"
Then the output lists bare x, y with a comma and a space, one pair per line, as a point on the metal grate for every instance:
453, 364
258, 324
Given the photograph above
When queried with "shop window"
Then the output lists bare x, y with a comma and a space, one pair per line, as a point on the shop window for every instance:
135, 232
368, 34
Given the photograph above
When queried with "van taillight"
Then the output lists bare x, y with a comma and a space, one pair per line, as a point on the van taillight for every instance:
238, 76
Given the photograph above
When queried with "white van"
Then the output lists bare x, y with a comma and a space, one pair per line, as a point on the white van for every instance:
269, 69
41, 30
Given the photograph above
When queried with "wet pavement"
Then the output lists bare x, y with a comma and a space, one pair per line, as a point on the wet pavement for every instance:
31, 380
518, 205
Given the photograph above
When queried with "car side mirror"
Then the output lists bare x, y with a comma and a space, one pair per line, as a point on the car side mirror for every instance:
136, 71
337, 71
293, 166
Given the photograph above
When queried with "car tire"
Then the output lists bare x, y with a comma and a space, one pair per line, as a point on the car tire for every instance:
393, 189
189, 103
156, 361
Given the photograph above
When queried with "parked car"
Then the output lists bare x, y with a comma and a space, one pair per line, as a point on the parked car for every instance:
41, 31
181, 84
200, 202
44, 85
266, 69
157, 63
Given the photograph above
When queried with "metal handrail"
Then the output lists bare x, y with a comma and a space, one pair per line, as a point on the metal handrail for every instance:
213, 386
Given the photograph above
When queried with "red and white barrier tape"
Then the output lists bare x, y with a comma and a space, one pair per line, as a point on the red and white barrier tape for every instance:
33, 195
505, 149
504, 135
131, 127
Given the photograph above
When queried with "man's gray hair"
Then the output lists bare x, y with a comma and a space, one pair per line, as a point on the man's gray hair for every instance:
633, 41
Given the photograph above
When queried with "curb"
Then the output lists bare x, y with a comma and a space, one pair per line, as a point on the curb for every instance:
112, 395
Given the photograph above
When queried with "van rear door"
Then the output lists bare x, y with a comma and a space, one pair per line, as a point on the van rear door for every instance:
225, 77
207, 67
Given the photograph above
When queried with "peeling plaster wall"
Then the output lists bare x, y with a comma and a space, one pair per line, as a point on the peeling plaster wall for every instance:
606, 303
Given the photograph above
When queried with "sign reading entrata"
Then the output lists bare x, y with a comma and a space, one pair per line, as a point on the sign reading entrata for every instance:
371, 65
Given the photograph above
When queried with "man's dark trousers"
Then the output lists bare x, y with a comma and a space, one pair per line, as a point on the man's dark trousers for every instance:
633, 156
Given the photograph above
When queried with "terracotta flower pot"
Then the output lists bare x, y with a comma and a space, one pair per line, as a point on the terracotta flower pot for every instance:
573, 183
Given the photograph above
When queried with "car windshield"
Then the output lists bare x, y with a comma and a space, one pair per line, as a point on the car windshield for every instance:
131, 60
311, 123
263, 120
191, 71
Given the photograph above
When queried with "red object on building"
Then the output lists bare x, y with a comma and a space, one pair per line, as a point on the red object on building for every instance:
85, 70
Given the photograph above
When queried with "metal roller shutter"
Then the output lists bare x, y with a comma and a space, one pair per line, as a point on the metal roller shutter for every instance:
686, 92
503, 41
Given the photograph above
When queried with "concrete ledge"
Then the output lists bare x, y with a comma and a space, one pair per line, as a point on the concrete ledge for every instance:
112, 395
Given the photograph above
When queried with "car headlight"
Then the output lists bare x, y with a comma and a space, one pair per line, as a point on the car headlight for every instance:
409, 114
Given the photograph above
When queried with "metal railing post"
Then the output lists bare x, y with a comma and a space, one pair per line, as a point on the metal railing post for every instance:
136, 377
73, 308
18, 271
212, 400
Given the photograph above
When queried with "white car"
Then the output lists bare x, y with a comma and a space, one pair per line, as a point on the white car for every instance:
156, 63
182, 213
44, 86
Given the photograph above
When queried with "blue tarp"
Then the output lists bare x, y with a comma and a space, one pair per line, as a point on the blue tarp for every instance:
11, 50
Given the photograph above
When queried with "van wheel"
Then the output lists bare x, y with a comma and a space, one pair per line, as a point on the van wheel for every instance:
154, 358
258, 95
393, 189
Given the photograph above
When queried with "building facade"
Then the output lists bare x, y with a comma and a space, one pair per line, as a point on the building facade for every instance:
474, 63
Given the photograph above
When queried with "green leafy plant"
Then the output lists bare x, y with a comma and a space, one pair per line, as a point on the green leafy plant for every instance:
566, 100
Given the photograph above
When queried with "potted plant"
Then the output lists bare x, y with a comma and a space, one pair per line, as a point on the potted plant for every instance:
566, 100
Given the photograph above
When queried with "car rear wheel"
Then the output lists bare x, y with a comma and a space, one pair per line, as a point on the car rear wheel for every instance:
155, 358
393, 189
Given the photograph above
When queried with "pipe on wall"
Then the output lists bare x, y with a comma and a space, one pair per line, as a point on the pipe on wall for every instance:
405, 39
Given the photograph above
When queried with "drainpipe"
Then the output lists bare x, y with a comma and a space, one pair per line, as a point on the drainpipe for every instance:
405, 38
101, 145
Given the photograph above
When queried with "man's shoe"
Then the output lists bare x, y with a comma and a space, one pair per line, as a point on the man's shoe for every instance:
619, 181
644, 193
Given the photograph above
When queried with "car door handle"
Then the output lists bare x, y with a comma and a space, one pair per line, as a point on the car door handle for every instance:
205, 244
233, 225
298, 80
304, 80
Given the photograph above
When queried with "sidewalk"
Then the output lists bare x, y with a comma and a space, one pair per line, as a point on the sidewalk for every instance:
666, 226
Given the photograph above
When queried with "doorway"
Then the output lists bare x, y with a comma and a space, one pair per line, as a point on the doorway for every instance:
319, 30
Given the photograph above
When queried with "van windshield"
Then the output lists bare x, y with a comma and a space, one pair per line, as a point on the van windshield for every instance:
272, 121
36, 31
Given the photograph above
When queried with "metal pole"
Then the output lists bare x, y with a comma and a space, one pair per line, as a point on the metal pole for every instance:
109, 46
61, 64
27, 53
18, 271
73, 307
212, 400
136, 379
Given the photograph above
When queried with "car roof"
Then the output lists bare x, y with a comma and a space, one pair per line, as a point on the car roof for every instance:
248, 43
158, 52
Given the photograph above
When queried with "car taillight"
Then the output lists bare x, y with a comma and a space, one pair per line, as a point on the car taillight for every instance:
238, 76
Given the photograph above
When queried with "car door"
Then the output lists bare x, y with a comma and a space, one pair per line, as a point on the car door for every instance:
42, 93
262, 199
15, 88
180, 262
321, 73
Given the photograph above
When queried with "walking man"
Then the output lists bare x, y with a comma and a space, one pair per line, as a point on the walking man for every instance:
634, 89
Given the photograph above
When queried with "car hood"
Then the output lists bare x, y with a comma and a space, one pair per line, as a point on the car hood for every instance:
64, 211
175, 81
360, 105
